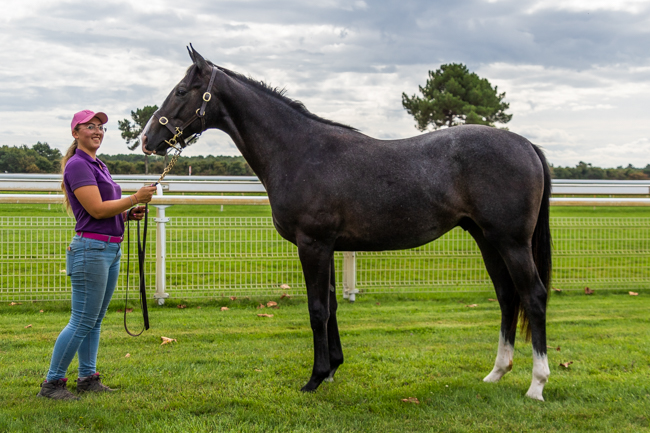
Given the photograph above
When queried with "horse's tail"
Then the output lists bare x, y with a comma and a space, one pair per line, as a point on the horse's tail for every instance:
541, 244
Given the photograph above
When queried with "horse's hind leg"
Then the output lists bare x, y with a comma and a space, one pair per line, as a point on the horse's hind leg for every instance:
533, 295
333, 339
508, 301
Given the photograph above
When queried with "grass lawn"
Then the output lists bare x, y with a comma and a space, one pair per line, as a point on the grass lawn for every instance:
234, 371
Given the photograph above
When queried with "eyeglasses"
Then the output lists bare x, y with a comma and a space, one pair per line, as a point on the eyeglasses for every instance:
92, 127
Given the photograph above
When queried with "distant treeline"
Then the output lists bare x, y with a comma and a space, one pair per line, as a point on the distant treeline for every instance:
201, 165
41, 158
586, 171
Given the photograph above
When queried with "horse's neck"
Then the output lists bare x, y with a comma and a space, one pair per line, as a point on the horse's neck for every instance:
266, 130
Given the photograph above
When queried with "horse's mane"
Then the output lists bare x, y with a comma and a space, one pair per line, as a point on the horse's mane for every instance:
279, 94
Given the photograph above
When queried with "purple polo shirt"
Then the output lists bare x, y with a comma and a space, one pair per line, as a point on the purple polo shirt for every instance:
82, 170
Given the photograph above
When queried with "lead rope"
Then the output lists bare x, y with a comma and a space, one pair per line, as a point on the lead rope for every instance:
141, 256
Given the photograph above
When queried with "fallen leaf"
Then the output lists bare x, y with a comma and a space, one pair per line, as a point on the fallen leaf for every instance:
492, 300
556, 290
62, 271
411, 400
232, 298
551, 347
28, 326
224, 308
271, 304
166, 340
566, 364
588, 291
129, 310
259, 307
15, 303
284, 295
377, 303
181, 306
257, 369
199, 307
265, 315
285, 286
634, 294
128, 355
41, 311
472, 305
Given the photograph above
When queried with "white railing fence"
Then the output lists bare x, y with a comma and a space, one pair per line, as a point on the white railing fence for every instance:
214, 257
211, 257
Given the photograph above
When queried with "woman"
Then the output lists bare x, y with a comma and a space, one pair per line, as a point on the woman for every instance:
93, 257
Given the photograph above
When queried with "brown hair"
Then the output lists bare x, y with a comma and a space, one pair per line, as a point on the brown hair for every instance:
71, 151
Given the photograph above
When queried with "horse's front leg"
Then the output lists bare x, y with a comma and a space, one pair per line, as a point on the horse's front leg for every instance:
333, 339
316, 256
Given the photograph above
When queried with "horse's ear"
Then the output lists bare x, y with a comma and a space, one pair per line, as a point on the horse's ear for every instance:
191, 54
198, 59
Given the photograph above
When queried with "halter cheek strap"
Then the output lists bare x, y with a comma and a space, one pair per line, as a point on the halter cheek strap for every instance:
177, 132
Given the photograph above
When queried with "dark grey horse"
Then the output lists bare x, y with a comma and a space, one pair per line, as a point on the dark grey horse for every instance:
332, 188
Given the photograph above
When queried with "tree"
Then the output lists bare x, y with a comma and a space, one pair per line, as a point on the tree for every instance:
454, 96
132, 132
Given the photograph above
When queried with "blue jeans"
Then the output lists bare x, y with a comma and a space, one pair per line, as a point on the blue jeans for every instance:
93, 267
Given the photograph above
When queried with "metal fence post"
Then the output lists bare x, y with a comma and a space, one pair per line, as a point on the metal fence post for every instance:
349, 275
161, 249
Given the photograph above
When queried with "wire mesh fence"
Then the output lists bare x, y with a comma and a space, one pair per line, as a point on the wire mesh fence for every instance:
213, 257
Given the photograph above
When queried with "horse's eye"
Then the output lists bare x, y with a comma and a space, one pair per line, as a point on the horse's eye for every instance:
181, 92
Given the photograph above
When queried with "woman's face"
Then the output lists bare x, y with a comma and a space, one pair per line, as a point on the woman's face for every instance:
89, 135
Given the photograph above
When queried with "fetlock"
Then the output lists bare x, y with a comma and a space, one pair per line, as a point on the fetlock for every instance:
92, 383
56, 390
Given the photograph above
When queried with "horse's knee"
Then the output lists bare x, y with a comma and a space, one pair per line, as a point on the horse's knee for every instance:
318, 314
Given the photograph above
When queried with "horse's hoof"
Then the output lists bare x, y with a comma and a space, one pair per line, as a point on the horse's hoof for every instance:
495, 376
310, 387
330, 378
535, 395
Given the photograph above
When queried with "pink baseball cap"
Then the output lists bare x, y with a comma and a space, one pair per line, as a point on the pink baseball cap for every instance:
85, 115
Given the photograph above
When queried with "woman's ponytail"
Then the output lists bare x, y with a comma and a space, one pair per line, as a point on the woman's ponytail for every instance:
71, 151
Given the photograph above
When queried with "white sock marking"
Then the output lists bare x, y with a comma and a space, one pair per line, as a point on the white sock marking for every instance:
503, 363
541, 372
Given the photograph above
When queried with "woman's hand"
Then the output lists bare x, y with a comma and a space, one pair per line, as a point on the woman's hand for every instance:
137, 213
144, 194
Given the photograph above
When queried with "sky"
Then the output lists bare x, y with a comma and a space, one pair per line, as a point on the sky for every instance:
576, 73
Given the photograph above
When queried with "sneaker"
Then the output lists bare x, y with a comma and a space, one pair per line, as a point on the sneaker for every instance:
92, 383
56, 390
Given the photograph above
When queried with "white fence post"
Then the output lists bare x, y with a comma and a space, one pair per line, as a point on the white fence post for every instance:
161, 249
349, 275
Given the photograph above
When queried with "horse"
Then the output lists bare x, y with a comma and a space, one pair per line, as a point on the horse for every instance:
332, 188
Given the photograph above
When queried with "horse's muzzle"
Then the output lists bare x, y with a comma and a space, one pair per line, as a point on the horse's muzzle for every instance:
144, 145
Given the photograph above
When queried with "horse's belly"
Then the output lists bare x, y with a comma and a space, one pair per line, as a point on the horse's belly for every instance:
390, 238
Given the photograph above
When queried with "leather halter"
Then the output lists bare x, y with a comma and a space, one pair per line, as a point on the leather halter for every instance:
177, 132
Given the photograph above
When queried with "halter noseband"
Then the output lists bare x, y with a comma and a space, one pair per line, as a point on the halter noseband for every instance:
177, 132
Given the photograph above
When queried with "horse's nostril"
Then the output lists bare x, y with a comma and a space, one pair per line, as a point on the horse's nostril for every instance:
144, 145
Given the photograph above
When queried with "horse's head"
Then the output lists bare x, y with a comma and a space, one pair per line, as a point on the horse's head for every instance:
181, 118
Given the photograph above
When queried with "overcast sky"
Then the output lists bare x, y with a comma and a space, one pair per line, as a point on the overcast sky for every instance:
576, 72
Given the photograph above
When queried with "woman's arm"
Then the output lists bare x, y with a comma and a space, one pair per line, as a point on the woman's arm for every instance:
91, 200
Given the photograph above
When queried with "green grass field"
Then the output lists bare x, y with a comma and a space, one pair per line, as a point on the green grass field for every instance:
234, 371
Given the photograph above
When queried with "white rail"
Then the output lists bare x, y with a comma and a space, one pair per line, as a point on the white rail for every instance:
251, 184
264, 200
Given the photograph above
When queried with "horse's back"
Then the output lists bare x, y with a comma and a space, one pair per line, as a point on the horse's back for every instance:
393, 194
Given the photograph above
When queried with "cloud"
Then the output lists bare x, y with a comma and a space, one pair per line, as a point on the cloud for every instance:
575, 72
